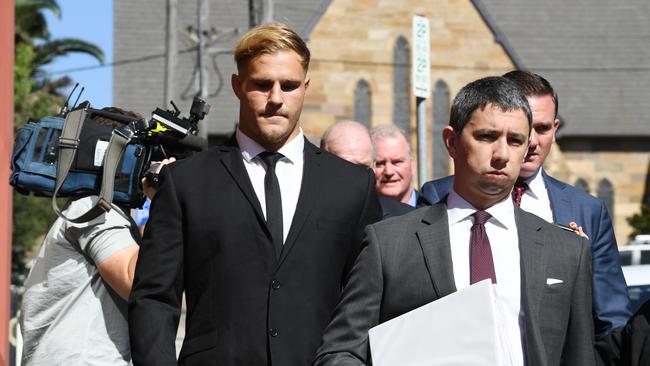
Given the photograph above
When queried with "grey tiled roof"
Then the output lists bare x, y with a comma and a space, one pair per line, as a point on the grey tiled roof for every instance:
594, 52
302, 16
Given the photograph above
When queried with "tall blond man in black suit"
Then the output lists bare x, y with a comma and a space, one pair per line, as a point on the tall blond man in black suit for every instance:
260, 232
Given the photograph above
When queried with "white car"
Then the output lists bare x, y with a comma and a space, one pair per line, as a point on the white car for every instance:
634, 254
638, 284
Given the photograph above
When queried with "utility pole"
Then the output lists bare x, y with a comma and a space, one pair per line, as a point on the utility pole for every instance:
202, 15
253, 13
171, 51
259, 12
205, 40
268, 11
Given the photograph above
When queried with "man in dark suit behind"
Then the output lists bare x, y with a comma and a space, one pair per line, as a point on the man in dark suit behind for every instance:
556, 201
627, 346
259, 232
541, 272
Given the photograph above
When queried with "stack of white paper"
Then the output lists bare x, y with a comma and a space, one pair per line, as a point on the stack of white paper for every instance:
459, 329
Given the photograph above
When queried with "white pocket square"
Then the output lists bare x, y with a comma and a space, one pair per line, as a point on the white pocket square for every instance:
553, 281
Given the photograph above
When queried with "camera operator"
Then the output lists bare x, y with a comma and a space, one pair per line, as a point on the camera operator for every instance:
74, 306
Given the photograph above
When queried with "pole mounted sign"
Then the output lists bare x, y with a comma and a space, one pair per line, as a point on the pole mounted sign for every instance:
421, 57
421, 88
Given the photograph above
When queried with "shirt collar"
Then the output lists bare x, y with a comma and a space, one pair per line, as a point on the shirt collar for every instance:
458, 209
292, 150
536, 186
413, 200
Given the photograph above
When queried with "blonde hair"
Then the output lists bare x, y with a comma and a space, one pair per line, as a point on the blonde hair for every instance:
270, 38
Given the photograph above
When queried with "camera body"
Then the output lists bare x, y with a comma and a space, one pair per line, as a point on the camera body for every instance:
36, 159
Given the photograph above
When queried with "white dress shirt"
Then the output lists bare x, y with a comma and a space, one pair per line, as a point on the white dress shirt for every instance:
502, 232
535, 199
288, 170
413, 200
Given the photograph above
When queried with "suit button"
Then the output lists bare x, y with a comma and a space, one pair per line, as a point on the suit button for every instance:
273, 332
275, 284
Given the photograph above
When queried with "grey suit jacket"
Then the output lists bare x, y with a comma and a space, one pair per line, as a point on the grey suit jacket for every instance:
406, 262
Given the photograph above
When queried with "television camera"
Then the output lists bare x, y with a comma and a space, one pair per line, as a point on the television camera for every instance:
73, 155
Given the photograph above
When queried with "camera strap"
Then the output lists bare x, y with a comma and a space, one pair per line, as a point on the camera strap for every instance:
68, 146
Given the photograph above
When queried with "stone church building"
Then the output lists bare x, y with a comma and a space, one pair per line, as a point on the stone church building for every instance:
593, 52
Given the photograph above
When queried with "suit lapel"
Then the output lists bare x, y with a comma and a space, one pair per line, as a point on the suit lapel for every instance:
312, 176
560, 204
533, 258
231, 159
436, 248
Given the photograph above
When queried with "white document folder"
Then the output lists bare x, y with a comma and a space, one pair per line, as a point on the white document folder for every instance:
459, 329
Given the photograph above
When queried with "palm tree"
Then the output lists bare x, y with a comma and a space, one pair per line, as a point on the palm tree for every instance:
35, 95
31, 30
30, 22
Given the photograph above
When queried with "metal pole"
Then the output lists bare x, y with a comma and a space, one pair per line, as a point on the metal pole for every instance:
268, 11
172, 50
421, 87
253, 13
6, 144
202, 15
422, 139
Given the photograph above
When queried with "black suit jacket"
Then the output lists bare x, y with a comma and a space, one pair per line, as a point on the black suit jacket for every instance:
406, 262
636, 338
630, 345
392, 208
207, 236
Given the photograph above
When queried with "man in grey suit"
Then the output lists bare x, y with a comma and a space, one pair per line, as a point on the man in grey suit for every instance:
542, 273
557, 201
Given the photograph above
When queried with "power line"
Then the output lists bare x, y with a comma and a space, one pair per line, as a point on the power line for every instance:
639, 69
117, 63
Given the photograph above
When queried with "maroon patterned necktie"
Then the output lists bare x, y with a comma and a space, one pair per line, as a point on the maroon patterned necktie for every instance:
480, 260
518, 192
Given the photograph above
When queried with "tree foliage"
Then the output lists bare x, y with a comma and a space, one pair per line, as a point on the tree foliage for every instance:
30, 21
31, 29
640, 222
35, 96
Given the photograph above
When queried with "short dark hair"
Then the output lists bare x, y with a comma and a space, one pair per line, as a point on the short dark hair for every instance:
107, 121
495, 90
533, 85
